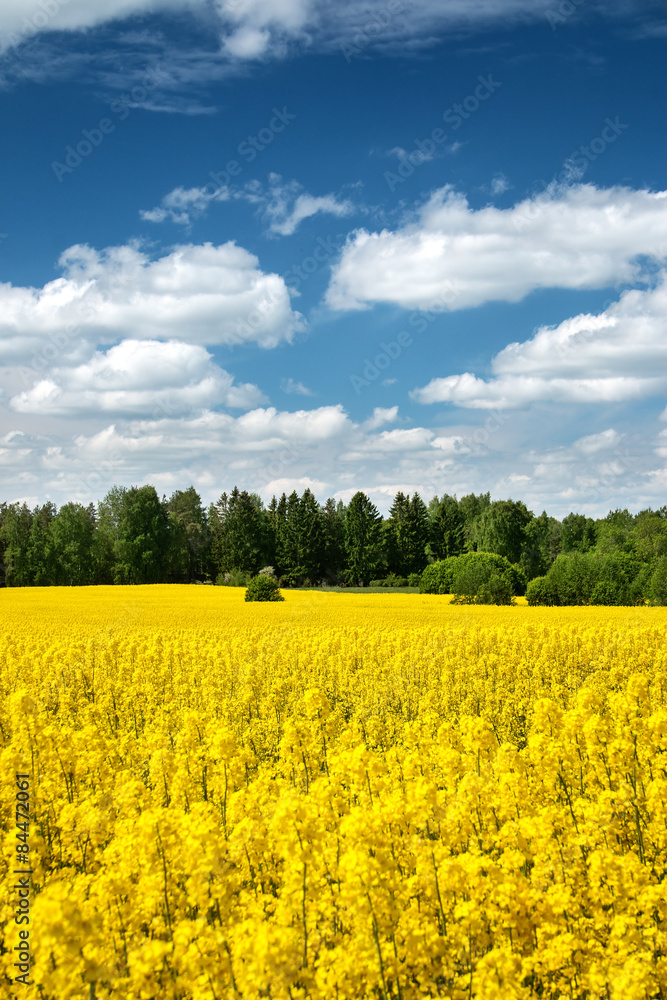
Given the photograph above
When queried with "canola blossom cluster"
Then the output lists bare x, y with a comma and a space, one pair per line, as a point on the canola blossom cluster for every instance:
338, 796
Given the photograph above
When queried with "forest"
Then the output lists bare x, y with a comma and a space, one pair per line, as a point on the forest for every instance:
134, 537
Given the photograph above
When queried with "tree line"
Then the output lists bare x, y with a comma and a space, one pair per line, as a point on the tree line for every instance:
133, 536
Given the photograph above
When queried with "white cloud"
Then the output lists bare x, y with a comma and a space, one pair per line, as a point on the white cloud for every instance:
276, 487
418, 156
291, 387
182, 205
283, 205
500, 184
285, 217
138, 377
199, 294
267, 450
381, 415
591, 444
253, 29
575, 237
618, 355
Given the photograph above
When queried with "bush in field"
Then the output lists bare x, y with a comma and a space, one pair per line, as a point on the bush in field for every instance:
542, 591
485, 578
474, 578
437, 578
579, 578
414, 579
263, 588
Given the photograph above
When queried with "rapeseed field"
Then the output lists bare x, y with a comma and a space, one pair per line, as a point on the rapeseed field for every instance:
340, 796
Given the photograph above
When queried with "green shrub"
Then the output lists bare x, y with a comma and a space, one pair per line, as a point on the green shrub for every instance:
437, 578
605, 592
414, 579
657, 589
263, 588
542, 592
484, 578
579, 578
474, 578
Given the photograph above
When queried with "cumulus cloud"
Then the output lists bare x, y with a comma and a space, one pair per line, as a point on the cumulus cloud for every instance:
202, 294
381, 415
618, 355
573, 237
138, 377
262, 449
268, 451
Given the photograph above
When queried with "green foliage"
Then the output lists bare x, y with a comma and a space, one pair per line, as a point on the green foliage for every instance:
613, 533
391, 581
471, 508
577, 533
479, 549
142, 543
71, 534
363, 545
657, 588
542, 591
541, 545
485, 578
475, 577
612, 578
239, 528
263, 588
437, 577
446, 527
233, 578
501, 528
15, 537
189, 536
406, 535
649, 536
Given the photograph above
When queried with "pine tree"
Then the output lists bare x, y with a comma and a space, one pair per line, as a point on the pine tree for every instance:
333, 521
446, 528
363, 539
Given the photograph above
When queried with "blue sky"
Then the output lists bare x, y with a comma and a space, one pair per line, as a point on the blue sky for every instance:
379, 246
